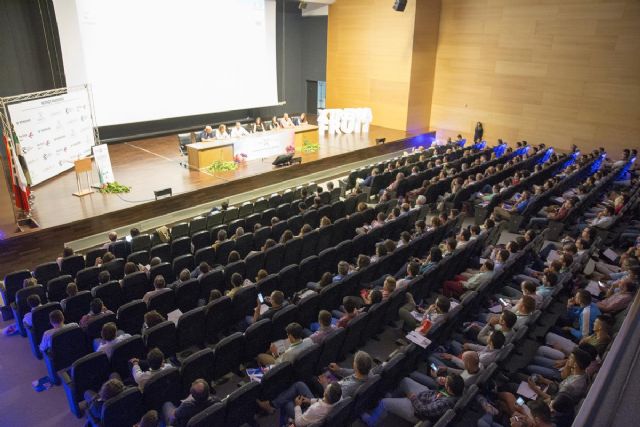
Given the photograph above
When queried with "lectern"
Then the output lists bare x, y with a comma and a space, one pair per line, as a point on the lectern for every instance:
83, 166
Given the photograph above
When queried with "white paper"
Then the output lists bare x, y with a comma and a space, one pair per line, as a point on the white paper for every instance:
593, 288
174, 316
496, 309
610, 254
525, 391
553, 255
418, 339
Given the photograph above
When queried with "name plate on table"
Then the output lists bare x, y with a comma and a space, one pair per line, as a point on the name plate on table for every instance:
263, 145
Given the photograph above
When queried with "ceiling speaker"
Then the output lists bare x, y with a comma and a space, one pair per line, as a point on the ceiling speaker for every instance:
399, 5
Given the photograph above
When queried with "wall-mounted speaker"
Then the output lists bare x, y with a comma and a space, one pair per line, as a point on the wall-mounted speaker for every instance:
399, 5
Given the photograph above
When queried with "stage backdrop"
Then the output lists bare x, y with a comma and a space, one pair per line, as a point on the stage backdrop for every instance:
53, 132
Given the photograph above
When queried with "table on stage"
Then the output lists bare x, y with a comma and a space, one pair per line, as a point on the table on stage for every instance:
256, 145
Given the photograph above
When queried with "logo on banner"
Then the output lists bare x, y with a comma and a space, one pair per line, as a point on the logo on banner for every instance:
347, 120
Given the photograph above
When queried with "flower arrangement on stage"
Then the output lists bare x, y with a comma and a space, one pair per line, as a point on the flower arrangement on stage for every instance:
114, 188
290, 149
220, 166
310, 147
240, 158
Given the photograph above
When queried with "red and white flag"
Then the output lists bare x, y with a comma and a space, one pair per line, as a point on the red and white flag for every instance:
21, 189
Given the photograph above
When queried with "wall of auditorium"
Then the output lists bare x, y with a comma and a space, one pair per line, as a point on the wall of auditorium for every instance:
369, 50
383, 59
560, 72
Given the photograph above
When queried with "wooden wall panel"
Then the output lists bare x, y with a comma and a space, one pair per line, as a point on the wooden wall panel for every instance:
423, 64
369, 51
554, 71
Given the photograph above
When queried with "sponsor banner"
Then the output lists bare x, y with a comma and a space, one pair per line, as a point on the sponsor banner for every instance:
103, 163
53, 132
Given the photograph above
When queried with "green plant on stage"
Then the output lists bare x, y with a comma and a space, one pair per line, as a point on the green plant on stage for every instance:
220, 166
114, 188
310, 147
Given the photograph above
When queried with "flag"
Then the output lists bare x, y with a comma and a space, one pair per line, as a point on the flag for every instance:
18, 179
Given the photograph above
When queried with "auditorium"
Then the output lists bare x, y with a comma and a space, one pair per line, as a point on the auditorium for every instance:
319, 213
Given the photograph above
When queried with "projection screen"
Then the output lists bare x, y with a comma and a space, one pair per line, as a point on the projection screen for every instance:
153, 59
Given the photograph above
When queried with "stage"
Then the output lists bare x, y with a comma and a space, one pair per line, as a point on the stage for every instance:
153, 164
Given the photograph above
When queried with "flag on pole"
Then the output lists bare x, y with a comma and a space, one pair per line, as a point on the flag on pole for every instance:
18, 179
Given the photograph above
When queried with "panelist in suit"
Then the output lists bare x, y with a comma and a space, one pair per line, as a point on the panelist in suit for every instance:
221, 132
238, 131
258, 126
286, 121
275, 123
207, 133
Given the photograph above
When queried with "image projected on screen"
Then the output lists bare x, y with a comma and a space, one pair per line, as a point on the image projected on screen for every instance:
154, 59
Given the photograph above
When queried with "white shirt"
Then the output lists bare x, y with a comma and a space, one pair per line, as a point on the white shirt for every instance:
237, 132
107, 346
221, 135
316, 413
141, 377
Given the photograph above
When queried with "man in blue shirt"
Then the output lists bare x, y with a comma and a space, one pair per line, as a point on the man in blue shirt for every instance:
506, 210
207, 133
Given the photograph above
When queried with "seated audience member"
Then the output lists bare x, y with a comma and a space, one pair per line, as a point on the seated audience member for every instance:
238, 131
214, 295
202, 269
286, 121
414, 402
277, 301
324, 329
104, 277
151, 319
467, 366
236, 285
56, 318
460, 284
155, 359
582, 312
350, 379
159, 287
199, 399
149, 419
296, 341
207, 133
112, 237
510, 208
33, 301
95, 401
435, 314
221, 132
66, 253
95, 308
618, 301
487, 354
343, 271
71, 291
109, 338
184, 276
258, 126
350, 311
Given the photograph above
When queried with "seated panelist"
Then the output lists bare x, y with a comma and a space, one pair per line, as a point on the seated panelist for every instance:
207, 133
238, 131
258, 126
303, 119
221, 132
286, 121
275, 123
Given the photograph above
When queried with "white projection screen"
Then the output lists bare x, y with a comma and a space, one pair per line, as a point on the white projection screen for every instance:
154, 59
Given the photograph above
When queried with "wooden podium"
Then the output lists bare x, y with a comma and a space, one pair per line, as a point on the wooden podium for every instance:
83, 166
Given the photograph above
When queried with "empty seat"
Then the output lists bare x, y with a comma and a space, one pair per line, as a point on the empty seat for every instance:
180, 246
305, 365
281, 319
206, 254
45, 272
131, 316
219, 318
210, 281
273, 258
276, 380
115, 268
162, 336
214, 415
125, 350
162, 251
201, 239
234, 225
223, 250
77, 306
245, 210
72, 264
110, 293
141, 242
257, 338
87, 373
197, 365
179, 264
123, 410
91, 256
268, 284
254, 263
242, 405
190, 333
288, 280
228, 355
57, 287
179, 231
119, 248
197, 225
292, 251
163, 302
187, 294
244, 303
134, 285
139, 257
68, 344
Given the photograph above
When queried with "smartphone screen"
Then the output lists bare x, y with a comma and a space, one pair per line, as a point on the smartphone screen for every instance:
520, 401
128, 238
261, 298
434, 367
503, 301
